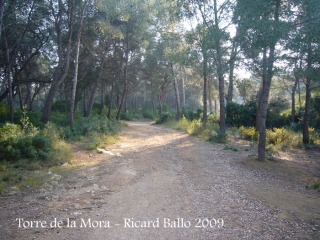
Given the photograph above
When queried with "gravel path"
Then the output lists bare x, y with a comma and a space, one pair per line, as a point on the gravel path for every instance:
162, 184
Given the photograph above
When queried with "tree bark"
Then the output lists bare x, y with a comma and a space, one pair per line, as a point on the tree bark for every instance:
75, 78
62, 69
306, 115
125, 88
210, 95
94, 89
111, 99
231, 71
220, 73
183, 87
205, 85
176, 91
2, 2
265, 90
8, 79
293, 98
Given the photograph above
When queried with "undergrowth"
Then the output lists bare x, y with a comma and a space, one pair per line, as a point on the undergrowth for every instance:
25, 147
210, 132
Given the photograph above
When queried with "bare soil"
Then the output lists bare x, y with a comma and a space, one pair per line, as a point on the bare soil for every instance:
158, 183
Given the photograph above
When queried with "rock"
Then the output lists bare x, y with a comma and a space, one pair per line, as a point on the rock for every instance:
56, 177
77, 213
100, 150
65, 164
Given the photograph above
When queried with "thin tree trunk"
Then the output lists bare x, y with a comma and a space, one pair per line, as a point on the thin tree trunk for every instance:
111, 99
176, 91
9, 81
75, 78
209, 95
231, 71
102, 97
2, 2
20, 97
205, 86
62, 69
183, 87
306, 115
27, 100
94, 90
293, 98
125, 89
220, 74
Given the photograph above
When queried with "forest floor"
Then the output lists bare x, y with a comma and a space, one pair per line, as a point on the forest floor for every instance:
158, 183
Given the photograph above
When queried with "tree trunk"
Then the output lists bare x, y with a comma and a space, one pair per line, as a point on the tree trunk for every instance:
76, 66
306, 115
205, 86
94, 90
183, 88
210, 95
103, 99
125, 89
231, 71
9, 80
110, 100
27, 100
2, 2
264, 96
62, 69
220, 74
176, 91
293, 98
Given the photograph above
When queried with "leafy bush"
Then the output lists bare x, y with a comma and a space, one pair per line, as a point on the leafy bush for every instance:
195, 127
148, 114
60, 106
219, 137
249, 133
241, 114
163, 117
281, 138
17, 143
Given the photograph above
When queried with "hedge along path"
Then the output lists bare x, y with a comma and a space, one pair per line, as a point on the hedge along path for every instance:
159, 183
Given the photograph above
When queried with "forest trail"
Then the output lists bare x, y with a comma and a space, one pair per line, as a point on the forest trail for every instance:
158, 183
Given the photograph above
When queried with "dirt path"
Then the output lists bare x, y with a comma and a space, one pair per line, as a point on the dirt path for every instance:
162, 184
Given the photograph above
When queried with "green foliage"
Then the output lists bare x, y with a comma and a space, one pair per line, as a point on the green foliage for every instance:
4, 112
281, 138
164, 117
219, 137
315, 184
241, 114
60, 106
195, 127
95, 123
25, 143
229, 147
249, 133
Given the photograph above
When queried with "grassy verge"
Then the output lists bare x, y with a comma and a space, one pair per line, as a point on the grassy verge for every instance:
277, 138
210, 132
27, 152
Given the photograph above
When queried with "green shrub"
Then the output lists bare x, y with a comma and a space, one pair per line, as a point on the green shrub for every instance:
281, 138
148, 114
195, 127
163, 117
219, 137
241, 114
60, 106
249, 133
